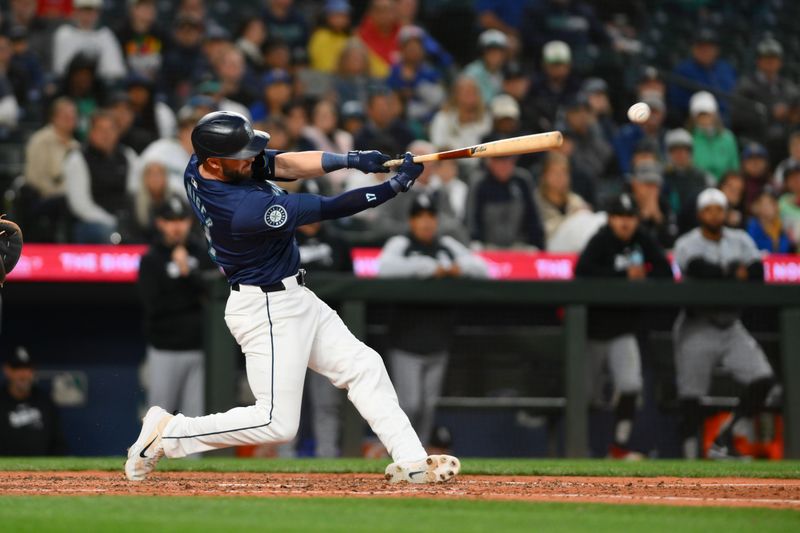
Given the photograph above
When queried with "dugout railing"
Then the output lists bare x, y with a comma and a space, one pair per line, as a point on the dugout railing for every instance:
353, 295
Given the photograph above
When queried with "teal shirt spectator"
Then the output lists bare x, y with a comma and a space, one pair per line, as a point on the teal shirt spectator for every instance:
716, 153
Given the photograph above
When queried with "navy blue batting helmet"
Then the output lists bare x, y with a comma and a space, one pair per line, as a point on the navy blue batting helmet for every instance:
227, 135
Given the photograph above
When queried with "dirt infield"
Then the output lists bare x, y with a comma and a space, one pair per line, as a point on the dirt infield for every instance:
776, 493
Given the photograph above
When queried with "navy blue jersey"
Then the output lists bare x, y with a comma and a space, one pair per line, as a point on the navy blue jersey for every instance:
250, 225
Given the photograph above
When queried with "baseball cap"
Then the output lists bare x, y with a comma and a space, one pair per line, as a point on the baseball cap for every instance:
217, 33
702, 102
647, 172
769, 47
337, 6
513, 70
19, 358
275, 75
173, 209
678, 137
711, 197
649, 73
594, 85
504, 106
492, 39
87, 4
556, 52
579, 101
18, 33
422, 203
352, 109
622, 205
754, 149
410, 32
706, 35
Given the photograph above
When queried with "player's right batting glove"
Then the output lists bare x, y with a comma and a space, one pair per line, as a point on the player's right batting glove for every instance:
10, 247
406, 174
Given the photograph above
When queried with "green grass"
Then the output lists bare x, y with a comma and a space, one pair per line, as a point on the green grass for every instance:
193, 514
539, 467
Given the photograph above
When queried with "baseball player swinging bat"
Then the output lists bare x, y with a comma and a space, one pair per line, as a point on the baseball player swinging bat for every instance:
524, 144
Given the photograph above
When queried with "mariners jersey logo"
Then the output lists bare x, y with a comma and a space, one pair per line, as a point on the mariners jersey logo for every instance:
275, 217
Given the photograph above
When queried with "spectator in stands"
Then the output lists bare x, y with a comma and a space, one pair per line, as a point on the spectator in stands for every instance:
378, 31
596, 91
172, 292
455, 189
418, 84
23, 15
213, 89
790, 204
463, 121
682, 180
732, 186
631, 134
151, 114
622, 250
196, 10
328, 41
183, 61
428, 184
277, 54
217, 41
488, 68
384, 125
9, 106
86, 36
141, 39
708, 338
555, 201
47, 148
130, 134
504, 15
501, 212
656, 217
582, 182
30, 85
285, 22
714, 145
295, 115
571, 21
352, 117
755, 171
237, 83
98, 180
505, 113
593, 153
251, 37
407, 13
650, 82
419, 351
792, 160
29, 420
762, 103
324, 134
153, 192
703, 71
765, 226
173, 153
554, 87
516, 82
84, 88
353, 80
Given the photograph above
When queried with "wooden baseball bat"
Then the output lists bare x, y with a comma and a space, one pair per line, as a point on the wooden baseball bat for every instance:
525, 144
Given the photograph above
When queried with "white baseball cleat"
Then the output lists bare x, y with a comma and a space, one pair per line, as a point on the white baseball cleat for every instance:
144, 454
433, 469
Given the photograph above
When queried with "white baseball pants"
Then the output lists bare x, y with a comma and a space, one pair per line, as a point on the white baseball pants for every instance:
281, 334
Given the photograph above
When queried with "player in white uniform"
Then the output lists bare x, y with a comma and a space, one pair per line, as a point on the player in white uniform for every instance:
282, 327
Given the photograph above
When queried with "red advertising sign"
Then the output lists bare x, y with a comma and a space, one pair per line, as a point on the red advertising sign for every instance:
84, 263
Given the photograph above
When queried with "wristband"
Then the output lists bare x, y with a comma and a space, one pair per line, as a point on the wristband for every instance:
331, 161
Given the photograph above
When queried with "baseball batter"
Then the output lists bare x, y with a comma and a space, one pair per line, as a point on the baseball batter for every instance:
282, 327
709, 337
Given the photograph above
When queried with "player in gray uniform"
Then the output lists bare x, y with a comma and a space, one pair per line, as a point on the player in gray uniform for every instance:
420, 349
709, 337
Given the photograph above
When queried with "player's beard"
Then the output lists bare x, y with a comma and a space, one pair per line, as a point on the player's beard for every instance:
235, 176
713, 229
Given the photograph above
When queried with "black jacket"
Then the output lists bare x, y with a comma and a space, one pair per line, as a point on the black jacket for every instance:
173, 305
606, 256
30, 426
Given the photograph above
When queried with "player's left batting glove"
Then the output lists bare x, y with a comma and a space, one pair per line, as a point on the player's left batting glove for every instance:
10, 247
406, 174
368, 162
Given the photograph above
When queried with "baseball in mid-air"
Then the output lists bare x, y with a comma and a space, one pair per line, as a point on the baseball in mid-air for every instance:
639, 112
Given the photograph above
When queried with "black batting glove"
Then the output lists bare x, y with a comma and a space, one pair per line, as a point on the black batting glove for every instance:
406, 174
368, 162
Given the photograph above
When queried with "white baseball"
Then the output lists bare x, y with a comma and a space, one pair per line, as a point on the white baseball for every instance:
639, 112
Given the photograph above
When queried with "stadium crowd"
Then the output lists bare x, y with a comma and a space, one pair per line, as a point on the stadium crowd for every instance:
102, 97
